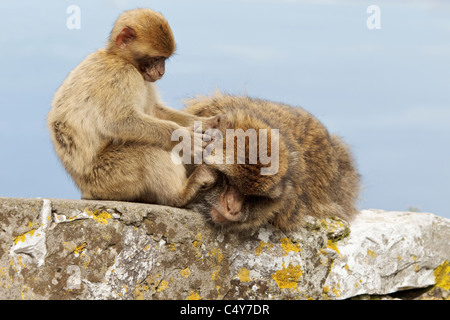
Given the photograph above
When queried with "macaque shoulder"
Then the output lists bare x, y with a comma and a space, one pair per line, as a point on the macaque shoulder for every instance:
100, 75
117, 72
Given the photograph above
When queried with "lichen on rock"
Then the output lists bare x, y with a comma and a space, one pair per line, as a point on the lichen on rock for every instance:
73, 249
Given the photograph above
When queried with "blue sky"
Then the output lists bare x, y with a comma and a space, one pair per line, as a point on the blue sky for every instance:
387, 91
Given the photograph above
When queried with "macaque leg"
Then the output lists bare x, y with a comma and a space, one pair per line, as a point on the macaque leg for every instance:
175, 189
143, 173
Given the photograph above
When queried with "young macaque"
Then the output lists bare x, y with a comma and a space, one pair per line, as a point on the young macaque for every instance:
310, 173
109, 127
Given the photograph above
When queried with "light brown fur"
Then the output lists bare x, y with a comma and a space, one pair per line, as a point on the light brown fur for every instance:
109, 127
316, 176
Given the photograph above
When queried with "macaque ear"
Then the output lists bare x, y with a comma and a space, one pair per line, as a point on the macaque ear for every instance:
125, 37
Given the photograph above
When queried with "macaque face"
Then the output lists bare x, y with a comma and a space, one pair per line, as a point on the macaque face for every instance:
221, 204
227, 208
151, 68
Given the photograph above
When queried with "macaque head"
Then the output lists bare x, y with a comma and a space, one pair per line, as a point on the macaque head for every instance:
225, 206
144, 38
243, 197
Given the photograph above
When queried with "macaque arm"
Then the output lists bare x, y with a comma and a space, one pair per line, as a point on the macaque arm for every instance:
139, 126
184, 119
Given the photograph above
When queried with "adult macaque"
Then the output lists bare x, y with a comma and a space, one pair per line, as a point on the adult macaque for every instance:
109, 126
315, 174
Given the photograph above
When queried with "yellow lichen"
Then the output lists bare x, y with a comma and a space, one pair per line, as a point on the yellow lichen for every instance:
288, 277
324, 224
163, 285
442, 275
215, 274
31, 224
18, 263
335, 225
333, 246
371, 253
5, 280
217, 252
288, 246
262, 245
244, 275
337, 292
23, 291
185, 272
23, 237
138, 292
198, 243
100, 217
86, 260
78, 250
194, 296
172, 247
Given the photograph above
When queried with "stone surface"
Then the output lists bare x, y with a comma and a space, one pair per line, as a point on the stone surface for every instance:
70, 249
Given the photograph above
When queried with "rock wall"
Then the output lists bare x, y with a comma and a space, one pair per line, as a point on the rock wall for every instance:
69, 249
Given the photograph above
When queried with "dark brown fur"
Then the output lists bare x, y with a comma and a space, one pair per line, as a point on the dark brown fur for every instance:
316, 176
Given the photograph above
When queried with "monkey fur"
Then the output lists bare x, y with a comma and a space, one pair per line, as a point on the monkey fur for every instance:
109, 127
316, 175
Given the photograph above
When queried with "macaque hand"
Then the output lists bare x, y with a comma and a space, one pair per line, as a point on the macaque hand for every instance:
198, 140
215, 122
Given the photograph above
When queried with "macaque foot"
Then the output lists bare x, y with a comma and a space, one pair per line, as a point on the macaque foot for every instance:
206, 176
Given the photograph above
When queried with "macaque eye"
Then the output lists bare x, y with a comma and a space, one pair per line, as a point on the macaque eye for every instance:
146, 62
158, 60
155, 60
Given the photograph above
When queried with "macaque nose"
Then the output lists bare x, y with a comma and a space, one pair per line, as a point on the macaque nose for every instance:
233, 204
161, 70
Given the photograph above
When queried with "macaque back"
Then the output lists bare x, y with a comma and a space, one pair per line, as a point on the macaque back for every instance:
315, 174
